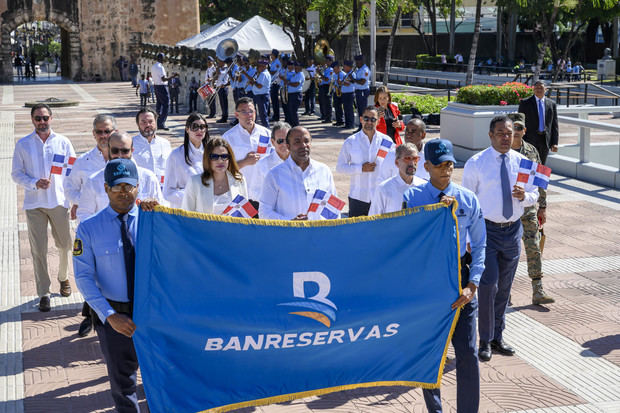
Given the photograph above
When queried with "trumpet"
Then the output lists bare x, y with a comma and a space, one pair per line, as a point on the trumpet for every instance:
340, 83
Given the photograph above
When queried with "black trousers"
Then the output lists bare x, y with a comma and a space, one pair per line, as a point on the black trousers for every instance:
539, 140
193, 101
223, 95
358, 208
122, 364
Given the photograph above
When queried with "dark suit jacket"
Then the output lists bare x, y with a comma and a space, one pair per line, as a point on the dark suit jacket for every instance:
529, 108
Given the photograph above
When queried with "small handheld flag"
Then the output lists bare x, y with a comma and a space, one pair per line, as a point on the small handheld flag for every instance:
59, 164
263, 144
531, 172
326, 205
240, 207
384, 148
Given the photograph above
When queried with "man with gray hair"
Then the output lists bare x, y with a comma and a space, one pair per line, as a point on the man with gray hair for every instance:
91, 161
389, 194
281, 152
415, 132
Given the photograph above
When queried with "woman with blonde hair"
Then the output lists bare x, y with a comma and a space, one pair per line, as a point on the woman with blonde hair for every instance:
390, 122
213, 190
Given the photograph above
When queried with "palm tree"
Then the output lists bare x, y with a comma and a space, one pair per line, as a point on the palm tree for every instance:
469, 78
388, 52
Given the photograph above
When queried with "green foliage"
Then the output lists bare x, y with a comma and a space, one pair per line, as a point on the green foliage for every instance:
214, 11
426, 61
424, 103
507, 94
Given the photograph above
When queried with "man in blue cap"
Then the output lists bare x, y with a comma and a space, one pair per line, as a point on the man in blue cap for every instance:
295, 87
348, 94
275, 67
325, 99
362, 84
440, 165
104, 265
337, 78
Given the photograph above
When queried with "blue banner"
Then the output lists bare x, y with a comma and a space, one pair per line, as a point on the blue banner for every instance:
235, 312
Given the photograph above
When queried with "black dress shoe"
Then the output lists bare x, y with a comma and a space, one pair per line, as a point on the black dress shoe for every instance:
44, 304
86, 326
164, 128
326, 121
339, 124
222, 120
484, 352
502, 348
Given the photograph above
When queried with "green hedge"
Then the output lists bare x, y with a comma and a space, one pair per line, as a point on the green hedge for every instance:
426, 61
424, 103
507, 94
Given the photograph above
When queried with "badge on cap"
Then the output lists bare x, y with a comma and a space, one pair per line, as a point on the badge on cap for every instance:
77, 247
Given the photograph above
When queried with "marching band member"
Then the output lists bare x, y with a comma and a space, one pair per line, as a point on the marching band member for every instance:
288, 72
362, 84
348, 95
244, 140
324, 98
337, 78
295, 86
209, 79
275, 67
310, 95
248, 73
289, 187
223, 80
260, 92
220, 182
186, 160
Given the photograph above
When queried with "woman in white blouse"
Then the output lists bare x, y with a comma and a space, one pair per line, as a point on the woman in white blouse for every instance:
186, 160
213, 190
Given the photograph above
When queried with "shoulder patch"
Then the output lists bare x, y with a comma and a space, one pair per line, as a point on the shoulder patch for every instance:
77, 247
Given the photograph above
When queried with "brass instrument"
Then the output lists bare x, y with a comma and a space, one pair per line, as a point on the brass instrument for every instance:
339, 87
317, 77
226, 49
284, 92
321, 51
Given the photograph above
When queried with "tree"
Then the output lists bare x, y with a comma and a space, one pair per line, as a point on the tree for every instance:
469, 77
388, 51
214, 11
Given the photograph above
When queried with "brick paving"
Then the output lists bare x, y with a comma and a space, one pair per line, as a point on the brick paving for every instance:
568, 353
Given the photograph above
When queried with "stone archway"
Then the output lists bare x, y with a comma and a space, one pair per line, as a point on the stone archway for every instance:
63, 14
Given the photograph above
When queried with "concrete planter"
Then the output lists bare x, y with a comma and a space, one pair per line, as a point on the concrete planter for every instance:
467, 126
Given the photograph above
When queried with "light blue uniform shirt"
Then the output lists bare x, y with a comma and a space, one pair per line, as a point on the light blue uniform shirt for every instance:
350, 79
243, 83
363, 73
275, 66
469, 216
264, 79
336, 78
296, 77
233, 74
311, 71
285, 74
248, 87
98, 260
328, 74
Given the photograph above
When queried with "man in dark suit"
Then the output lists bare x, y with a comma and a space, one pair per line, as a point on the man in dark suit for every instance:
541, 121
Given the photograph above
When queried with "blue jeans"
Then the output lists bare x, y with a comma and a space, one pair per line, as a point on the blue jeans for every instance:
500, 264
163, 102
261, 102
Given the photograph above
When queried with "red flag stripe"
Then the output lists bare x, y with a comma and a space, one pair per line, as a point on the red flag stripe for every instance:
523, 177
251, 211
336, 203
313, 207
56, 170
381, 153
545, 170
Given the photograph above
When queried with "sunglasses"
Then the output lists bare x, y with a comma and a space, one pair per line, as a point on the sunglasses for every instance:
369, 119
280, 141
103, 132
246, 112
410, 158
216, 156
122, 188
116, 151
518, 127
41, 118
197, 126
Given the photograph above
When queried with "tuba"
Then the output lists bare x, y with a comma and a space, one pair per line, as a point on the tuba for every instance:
226, 49
321, 51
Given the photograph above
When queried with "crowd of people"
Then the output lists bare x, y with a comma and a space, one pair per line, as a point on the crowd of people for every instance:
273, 169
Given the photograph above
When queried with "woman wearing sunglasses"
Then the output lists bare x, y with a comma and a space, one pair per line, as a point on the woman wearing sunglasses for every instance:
186, 160
213, 190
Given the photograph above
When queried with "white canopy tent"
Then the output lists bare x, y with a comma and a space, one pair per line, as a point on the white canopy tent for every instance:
213, 31
256, 33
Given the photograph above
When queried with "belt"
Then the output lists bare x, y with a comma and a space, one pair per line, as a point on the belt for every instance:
541, 133
499, 224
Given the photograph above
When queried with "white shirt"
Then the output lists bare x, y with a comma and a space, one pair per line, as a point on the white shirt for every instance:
94, 198
269, 162
178, 173
32, 160
153, 155
243, 142
222, 77
86, 165
388, 167
288, 191
356, 151
209, 73
157, 71
389, 195
482, 176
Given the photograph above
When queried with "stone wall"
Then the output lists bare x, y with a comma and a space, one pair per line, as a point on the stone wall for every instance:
98, 32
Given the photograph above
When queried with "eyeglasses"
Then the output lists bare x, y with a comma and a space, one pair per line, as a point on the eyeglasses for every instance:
124, 151
517, 127
280, 141
41, 118
197, 126
122, 188
246, 112
410, 158
103, 132
216, 156
369, 119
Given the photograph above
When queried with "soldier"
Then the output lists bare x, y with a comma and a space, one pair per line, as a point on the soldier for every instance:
531, 217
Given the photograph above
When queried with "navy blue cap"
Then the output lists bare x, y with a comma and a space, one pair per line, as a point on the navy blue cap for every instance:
262, 62
298, 63
121, 171
438, 150
329, 57
160, 55
359, 57
246, 59
336, 63
275, 52
348, 62
210, 59
290, 63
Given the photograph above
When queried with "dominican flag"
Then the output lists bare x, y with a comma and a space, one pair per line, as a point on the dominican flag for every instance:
326, 205
384, 148
263, 144
533, 173
60, 163
240, 207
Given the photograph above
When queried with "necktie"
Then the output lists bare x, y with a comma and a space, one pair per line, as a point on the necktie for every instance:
541, 116
506, 193
129, 253
441, 195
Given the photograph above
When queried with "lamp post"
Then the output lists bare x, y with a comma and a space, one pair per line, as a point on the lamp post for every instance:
373, 42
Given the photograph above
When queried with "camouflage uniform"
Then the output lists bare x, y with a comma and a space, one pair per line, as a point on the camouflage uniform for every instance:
531, 234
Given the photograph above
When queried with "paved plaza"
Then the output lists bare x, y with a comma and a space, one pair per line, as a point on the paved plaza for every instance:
568, 353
